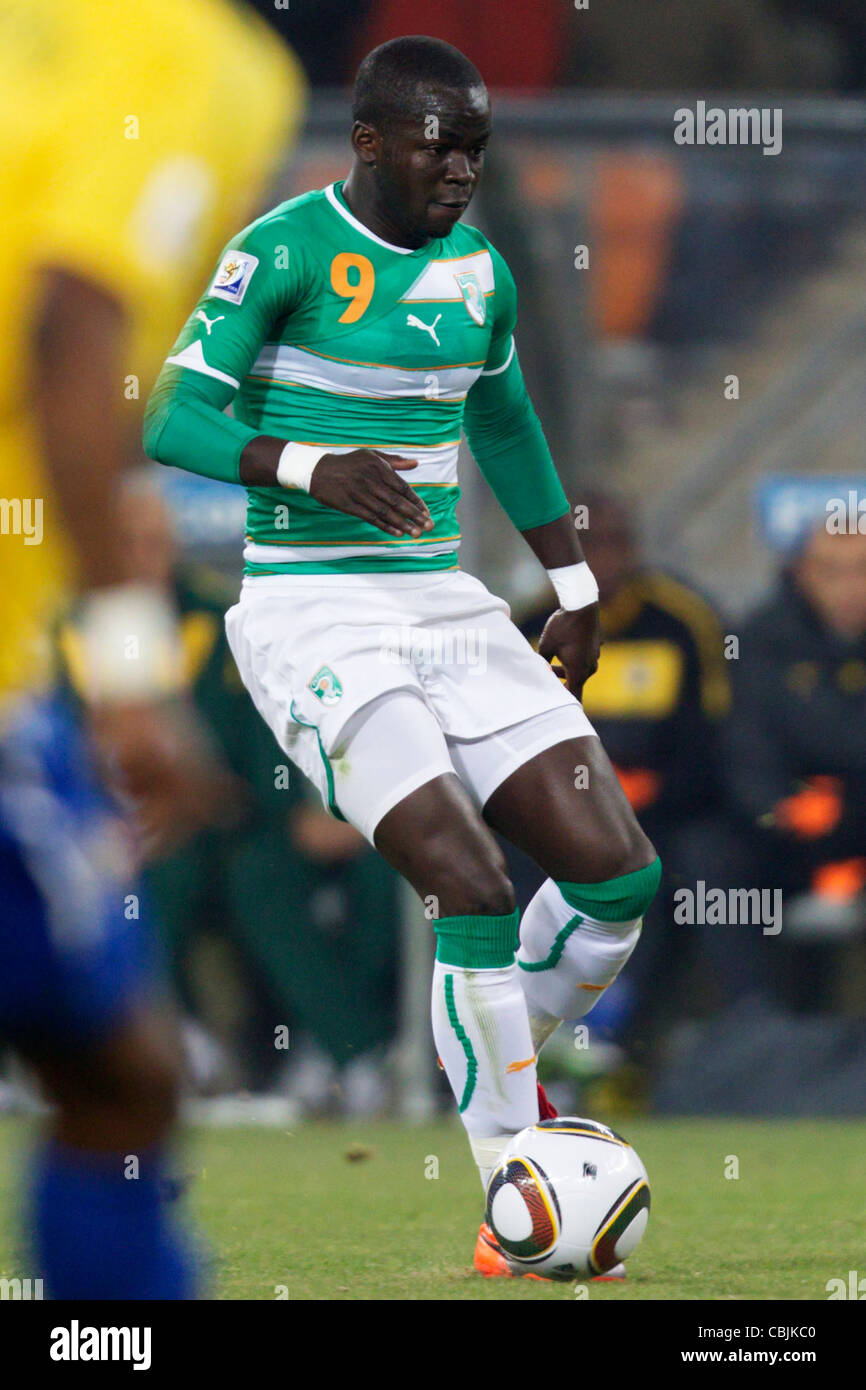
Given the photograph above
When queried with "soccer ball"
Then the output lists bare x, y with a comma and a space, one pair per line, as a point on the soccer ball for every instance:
568, 1198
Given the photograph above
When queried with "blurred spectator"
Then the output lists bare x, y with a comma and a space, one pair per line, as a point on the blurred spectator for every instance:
662, 687
636, 201
657, 701
286, 919
796, 756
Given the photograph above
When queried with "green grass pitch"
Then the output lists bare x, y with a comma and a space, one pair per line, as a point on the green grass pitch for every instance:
295, 1210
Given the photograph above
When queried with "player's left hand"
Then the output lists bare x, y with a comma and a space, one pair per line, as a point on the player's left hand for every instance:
574, 636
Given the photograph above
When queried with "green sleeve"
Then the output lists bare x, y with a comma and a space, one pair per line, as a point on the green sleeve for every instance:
184, 426
502, 428
184, 421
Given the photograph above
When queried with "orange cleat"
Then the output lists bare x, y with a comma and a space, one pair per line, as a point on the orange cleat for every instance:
490, 1261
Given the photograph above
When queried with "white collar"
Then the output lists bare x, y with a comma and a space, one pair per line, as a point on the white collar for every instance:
359, 226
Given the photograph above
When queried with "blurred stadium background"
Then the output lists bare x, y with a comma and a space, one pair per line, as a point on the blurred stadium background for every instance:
693, 331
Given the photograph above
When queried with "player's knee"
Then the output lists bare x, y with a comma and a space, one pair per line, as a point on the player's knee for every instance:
115, 1101
157, 1084
473, 884
495, 897
485, 892
489, 889
478, 930
641, 852
140, 1075
624, 850
150, 1087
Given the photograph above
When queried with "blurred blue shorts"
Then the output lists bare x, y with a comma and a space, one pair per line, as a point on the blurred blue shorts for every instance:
73, 953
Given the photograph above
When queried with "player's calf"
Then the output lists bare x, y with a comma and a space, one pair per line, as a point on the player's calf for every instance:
120, 1093
482, 1033
437, 840
103, 1223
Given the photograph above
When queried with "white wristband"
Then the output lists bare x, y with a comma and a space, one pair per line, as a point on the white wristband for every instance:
130, 647
575, 585
296, 464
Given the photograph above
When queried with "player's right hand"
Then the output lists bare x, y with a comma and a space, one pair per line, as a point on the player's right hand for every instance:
366, 483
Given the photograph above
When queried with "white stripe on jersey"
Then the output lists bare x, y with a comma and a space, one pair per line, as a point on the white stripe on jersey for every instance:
193, 358
298, 554
299, 367
437, 280
494, 371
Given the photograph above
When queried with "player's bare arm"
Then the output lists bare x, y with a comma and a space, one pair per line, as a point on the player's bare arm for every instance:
81, 439
158, 757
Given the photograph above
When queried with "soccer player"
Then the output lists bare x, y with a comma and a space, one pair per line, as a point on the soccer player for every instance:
116, 190
357, 329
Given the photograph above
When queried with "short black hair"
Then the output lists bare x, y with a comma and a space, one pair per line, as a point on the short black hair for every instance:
389, 77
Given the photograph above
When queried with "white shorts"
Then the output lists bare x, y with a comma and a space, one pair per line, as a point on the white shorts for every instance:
373, 687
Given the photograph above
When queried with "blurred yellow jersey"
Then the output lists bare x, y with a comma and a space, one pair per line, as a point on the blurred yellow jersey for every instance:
136, 139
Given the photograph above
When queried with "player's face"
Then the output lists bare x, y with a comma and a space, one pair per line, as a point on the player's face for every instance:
430, 167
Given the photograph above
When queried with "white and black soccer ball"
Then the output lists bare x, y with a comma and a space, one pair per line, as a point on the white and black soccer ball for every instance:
568, 1198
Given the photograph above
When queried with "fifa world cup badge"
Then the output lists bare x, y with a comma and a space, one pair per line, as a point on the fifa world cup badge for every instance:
233, 276
326, 686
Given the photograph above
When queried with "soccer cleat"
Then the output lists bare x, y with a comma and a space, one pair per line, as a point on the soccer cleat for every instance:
491, 1262
546, 1111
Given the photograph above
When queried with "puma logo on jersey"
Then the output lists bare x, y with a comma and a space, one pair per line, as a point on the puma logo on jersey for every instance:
413, 322
208, 323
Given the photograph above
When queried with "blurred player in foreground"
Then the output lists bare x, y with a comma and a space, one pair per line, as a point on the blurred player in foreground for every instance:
116, 190
358, 328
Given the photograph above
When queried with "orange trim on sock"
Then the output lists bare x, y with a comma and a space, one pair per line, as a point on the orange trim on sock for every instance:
521, 1066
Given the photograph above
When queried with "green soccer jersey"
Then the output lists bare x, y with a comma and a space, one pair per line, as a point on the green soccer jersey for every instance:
320, 332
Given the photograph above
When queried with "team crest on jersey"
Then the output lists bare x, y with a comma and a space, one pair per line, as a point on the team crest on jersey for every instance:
326, 686
233, 276
473, 296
